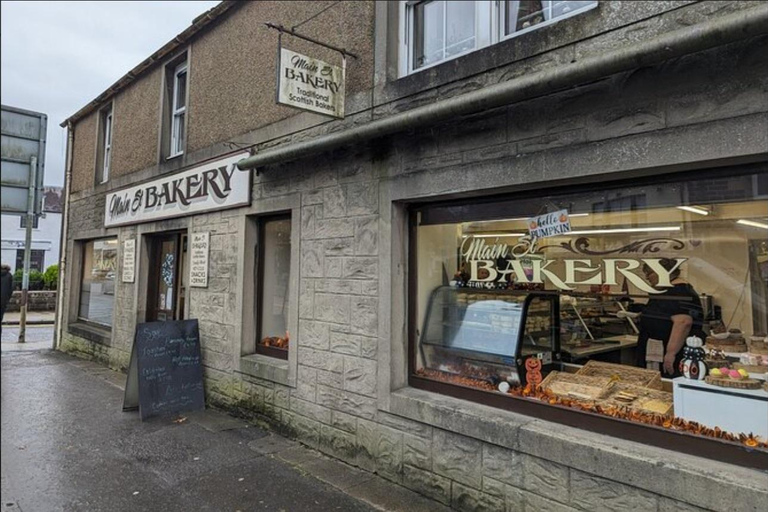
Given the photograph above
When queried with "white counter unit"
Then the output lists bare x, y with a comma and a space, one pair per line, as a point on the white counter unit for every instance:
733, 410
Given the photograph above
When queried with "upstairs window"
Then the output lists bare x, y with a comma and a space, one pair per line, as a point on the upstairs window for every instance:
178, 109
104, 156
438, 30
23, 222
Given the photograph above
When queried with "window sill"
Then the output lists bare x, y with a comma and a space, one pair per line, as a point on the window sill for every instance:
172, 157
654, 469
91, 332
265, 367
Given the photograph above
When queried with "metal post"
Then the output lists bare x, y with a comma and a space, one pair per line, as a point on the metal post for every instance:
28, 247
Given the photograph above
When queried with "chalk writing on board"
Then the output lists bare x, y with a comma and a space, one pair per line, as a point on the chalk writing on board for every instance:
170, 374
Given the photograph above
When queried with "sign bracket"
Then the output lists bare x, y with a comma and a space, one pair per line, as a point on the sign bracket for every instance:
293, 33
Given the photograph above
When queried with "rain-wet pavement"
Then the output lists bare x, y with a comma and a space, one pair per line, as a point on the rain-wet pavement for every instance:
37, 337
67, 446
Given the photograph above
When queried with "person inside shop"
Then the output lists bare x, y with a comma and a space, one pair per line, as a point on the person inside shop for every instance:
667, 320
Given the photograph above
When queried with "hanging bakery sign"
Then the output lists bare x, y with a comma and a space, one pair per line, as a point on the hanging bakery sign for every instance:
310, 84
489, 264
214, 185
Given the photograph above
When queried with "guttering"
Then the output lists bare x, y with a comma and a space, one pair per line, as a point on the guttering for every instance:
61, 286
728, 29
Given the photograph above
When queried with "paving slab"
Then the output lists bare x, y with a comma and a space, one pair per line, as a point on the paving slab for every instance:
215, 421
272, 444
336, 473
387, 496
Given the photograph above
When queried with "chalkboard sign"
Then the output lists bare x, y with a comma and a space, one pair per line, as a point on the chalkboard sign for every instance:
165, 375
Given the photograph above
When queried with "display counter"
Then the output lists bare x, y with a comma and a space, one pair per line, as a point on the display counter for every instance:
733, 410
621, 345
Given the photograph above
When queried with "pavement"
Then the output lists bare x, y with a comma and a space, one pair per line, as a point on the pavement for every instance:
33, 318
67, 446
38, 337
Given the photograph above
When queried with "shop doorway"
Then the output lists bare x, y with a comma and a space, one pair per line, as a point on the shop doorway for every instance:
167, 277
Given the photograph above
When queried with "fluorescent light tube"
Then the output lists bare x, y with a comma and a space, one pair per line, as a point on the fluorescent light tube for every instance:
694, 209
752, 223
623, 230
497, 235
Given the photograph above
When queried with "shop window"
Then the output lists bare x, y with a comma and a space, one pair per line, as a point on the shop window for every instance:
616, 306
104, 154
23, 221
273, 253
36, 259
438, 30
97, 286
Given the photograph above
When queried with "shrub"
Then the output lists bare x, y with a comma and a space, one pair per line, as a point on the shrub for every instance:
35, 279
51, 277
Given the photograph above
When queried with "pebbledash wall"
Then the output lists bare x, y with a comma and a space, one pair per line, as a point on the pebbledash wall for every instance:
344, 387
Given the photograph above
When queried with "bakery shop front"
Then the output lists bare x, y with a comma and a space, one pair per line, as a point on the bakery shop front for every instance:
637, 309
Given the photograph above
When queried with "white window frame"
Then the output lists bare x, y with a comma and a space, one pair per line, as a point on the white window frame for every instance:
177, 121
547, 6
489, 29
108, 129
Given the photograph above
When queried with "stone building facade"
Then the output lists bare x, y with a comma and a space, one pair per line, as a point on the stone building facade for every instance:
344, 388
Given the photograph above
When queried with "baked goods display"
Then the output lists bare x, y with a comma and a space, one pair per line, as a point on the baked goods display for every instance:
639, 398
622, 373
577, 386
276, 341
739, 382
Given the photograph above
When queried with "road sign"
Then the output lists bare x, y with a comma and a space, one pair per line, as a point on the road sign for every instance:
23, 138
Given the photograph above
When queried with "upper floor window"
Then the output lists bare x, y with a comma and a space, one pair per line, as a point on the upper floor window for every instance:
104, 156
23, 221
178, 109
437, 30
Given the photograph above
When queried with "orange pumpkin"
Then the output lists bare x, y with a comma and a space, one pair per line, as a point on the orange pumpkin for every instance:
533, 363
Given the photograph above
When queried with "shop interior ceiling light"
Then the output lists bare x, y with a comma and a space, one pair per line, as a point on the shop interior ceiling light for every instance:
623, 230
494, 235
694, 209
752, 223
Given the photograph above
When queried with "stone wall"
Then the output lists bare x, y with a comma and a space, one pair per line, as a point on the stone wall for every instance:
346, 393
36, 301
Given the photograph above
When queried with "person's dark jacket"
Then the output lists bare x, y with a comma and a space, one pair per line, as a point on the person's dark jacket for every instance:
6, 279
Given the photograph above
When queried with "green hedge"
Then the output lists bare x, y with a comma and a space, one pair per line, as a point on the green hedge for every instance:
47, 280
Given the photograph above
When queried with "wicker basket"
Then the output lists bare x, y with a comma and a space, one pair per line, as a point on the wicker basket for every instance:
618, 372
572, 385
648, 400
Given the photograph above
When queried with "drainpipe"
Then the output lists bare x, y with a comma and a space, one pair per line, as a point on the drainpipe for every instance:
63, 240
728, 29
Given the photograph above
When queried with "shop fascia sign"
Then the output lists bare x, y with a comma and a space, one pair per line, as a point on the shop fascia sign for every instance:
310, 84
524, 265
214, 185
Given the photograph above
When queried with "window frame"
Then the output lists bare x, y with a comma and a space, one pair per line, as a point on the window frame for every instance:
259, 253
178, 114
82, 254
33, 252
108, 129
679, 441
490, 16
35, 222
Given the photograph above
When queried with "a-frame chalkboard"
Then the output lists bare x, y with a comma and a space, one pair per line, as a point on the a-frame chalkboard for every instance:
166, 374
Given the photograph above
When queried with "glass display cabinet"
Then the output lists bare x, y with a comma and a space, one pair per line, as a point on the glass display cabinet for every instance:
597, 327
487, 335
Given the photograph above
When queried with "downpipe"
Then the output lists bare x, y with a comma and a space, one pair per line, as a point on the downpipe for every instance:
729, 29
58, 327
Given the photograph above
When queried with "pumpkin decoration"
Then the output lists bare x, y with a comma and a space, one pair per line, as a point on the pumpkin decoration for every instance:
533, 371
692, 366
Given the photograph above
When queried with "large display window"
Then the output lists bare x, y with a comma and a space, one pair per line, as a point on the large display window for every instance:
643, 302
97, 288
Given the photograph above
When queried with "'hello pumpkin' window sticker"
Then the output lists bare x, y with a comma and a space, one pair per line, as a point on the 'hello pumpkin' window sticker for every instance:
549, 224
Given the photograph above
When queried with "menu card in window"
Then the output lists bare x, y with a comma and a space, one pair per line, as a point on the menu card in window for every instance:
198, 261
129, 260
